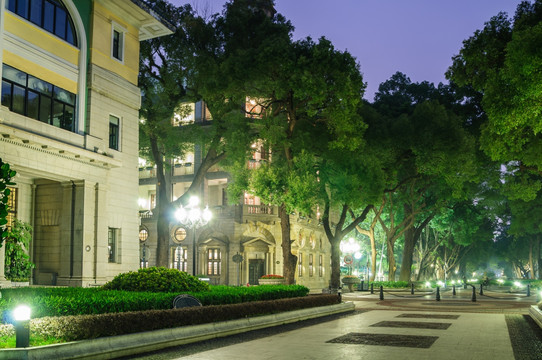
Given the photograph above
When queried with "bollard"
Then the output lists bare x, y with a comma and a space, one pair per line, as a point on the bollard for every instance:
453, 290
438, 293
412, 289
473, 293
372, 290
464, 286
362, 285
481, 289
528, 290
381, 292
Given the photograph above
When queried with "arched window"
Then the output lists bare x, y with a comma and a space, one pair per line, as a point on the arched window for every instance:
50, 15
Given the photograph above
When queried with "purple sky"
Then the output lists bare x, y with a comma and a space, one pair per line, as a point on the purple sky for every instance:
416, 37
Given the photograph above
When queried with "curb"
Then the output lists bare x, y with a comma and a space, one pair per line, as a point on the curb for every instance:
130, 344
536, 314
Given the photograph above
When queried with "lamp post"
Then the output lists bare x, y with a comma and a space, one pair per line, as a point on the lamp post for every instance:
193, 217
21, 315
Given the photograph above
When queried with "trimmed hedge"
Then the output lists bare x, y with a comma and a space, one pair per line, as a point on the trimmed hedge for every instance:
80, 301
71, 328
156, 279
390, 284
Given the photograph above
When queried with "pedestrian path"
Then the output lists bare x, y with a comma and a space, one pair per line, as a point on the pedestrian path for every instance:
386, 335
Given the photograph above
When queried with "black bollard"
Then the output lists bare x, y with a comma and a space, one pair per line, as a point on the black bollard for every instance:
362, 285
372, 290
438, 293
412, 289
481, 289
453, 290
381, 292
473, 293
528, 290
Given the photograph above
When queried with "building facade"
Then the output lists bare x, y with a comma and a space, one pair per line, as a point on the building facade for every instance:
243, 241
69, 126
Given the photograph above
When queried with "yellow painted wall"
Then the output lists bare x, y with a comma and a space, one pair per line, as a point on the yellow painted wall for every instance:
100, 47
38, 71
41, 38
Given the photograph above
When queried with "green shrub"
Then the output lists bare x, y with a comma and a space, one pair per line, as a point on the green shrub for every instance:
391, 284
79, 301
157, 279
70, 328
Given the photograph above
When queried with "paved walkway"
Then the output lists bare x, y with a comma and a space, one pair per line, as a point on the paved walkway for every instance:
408, 328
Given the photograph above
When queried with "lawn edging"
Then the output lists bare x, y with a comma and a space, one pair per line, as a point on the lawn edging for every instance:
125, 345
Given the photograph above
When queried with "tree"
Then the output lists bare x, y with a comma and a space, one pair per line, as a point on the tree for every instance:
165, 65
432, 157
502, 62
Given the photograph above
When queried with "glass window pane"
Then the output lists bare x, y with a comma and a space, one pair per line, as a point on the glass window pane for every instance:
6, 93
64, 96
67, 119
45, 110
40, 85
60, 23
10, 5
14, 75
48, 16
58, 113
36, 9
22, 8
18, 99
32, 105
69, 33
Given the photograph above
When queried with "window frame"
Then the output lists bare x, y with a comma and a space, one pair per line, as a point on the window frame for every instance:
54, 96
68, 33
214, 261
113, 239
120, 48
300, 265
111, 127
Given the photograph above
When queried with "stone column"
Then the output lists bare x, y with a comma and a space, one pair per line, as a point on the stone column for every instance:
3, 281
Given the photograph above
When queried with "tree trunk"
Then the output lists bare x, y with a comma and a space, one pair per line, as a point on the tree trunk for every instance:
335, 280
289, 260
373, 256
161, 211
531, 264
408, 252
391, 262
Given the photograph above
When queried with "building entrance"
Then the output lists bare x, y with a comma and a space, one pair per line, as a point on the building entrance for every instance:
255, 270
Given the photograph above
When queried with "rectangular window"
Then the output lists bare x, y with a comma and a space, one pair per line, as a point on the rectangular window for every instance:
214, 262
320, 265
300, 265
12, 206
37, 99
112, 244
311, 268
114, 126
179, 258
117, 42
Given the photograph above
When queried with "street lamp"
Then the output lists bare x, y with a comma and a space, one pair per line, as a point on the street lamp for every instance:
193, 217
21, 315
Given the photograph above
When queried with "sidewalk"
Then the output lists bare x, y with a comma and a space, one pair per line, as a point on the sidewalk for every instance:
402, 326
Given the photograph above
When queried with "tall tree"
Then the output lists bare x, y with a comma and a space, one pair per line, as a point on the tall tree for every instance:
502, 63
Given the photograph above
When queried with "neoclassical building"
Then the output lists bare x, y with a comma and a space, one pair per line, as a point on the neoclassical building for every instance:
249, 228
69, 127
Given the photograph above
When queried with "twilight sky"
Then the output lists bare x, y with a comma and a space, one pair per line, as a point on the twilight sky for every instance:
416, 37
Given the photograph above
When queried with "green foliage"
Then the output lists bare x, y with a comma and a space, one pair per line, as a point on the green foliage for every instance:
18, 266
6, 174
72, 328
390, 284
79, 301
157, 279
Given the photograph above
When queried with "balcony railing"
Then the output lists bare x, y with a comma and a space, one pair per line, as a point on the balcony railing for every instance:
258, 210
